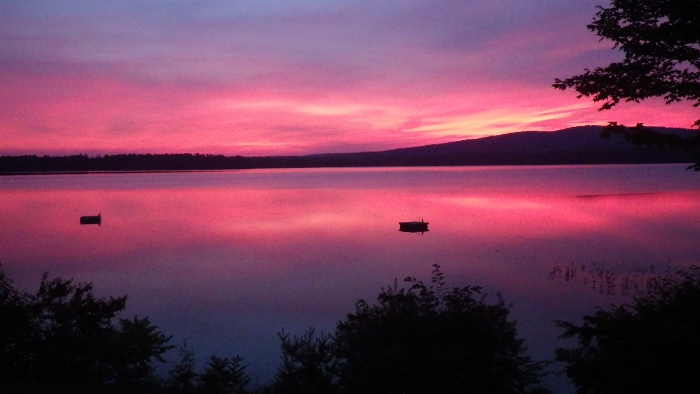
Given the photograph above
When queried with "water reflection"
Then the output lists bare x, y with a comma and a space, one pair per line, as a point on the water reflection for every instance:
228, 259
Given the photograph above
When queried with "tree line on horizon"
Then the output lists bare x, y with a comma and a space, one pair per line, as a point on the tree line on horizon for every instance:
163, 162
436, 155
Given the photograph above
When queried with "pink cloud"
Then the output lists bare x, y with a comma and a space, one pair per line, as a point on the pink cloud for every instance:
304, 78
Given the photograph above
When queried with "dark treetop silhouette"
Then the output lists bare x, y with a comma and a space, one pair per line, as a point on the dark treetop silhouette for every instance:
424, 339
661, 43
648, 346
63, 339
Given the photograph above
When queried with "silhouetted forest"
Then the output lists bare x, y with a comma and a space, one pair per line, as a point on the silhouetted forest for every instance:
420, 339
424, 338
577, 145
122, 162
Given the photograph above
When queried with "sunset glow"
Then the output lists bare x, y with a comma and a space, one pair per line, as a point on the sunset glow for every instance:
265, 77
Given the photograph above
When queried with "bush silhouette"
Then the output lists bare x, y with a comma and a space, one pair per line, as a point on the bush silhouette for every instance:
309, 364
648, 346
424, 339
420, 339
66, 338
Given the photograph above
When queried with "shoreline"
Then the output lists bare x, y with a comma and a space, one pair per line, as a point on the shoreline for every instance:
154, 171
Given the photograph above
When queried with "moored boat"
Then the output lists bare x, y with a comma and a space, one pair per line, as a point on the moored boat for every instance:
413, 227
91, 219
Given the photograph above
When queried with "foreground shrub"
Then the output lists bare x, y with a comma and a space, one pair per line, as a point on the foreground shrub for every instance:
648, 346
424, 339
65, 337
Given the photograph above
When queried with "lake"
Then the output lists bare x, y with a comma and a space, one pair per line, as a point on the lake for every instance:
228, 259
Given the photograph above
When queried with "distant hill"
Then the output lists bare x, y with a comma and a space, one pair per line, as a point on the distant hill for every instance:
576, 145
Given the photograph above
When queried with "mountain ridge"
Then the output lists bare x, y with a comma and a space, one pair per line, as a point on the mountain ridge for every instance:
577, 137
574, 145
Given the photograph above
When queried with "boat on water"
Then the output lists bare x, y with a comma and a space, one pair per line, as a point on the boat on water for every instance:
413, 227
91, 219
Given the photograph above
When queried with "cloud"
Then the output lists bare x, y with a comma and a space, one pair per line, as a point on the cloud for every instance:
270, 77
493, 122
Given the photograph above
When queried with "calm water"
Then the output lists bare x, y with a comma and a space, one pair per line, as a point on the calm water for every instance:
228, 259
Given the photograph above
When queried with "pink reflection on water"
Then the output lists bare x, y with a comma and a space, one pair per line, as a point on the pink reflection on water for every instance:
285, 228
235, 258
304, 226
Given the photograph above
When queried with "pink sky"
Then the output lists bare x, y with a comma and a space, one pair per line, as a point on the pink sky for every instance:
267, 77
